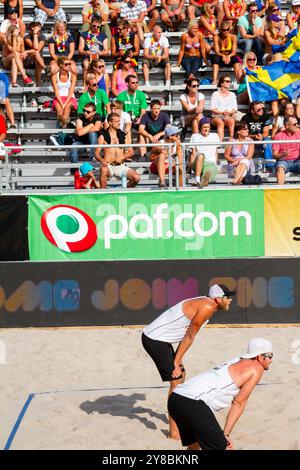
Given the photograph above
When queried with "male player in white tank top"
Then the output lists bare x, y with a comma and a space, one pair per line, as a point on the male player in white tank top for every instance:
192, 404
180, 324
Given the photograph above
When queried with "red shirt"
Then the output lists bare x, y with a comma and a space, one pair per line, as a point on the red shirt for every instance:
293, 149
3, 127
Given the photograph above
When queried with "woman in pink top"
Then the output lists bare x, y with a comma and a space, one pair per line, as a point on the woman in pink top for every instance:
118, 83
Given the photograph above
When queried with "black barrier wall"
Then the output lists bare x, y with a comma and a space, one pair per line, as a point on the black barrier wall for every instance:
13, 228
135, 292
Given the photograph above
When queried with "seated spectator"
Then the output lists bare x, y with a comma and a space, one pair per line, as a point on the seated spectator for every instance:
101, 8
258, 122
204, 158
134, 11
192, 102
12, 20
64, 83
239, 156
16, 4
4, 99
172, 14
118, 83
208, 25
46, 9
96, 96
250, 32
192, 51
156, 54
13, 55
114, 158
152, 126
275, 34
287, 154
223, 107
92, 45
278, 123
160, 155
262, 7
293, 16
196, 8
61, 43
34, 42
125, 41
232, 11
152, 13
225, 46
249, 63
3, 126
88, 126
97, 68
114, 9
125, 120
87, 179
134, 100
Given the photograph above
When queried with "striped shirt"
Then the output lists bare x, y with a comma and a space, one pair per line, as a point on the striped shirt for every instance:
129, 12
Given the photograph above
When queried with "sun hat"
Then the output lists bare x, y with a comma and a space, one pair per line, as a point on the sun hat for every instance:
85, 168
220, 290
171, 130
256, 347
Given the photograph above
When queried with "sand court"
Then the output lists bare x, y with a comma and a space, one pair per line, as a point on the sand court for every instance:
98, 389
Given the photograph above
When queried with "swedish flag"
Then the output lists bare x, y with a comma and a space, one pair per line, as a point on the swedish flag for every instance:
275, 81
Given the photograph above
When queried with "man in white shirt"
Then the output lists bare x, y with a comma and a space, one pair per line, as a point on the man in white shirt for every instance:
156, 54
203, 160
134, 11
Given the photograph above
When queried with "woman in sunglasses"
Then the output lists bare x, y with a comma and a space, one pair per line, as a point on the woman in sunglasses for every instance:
192, 102
223, 107
225, 46
97, 68
61, 43
239, 156
249, 63
118, 78
64, 82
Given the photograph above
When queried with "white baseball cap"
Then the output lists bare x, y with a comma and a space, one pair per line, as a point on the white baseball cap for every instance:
256, 347
220, 290
295, 3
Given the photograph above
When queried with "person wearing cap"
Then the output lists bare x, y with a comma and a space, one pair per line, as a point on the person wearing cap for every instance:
293, 16
12, 19
87, 179
152, 126
46, 9
274, 34
16, 4
203, 159
180, 324
192, 404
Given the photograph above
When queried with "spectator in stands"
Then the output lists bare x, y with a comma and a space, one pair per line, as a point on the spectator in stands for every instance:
3, 126
196, 7
114, 9
262, 7
250, 35
35, 41
97, 67
134, 100
160, 155
16, 4
152, 13
258, 122
87, 180
152, 126
223, 107
88, 126
208, 25
118, 83
125, 41
293, 16
156, 54
13, 55
225, 46
92, 45
61, 43
96, 96
239, 156
134, 11
4, 99
203, 159
192, 102
297, 108
192, 51
278, 123
287, 154
125, 120
249, 63
12, 20
232, 11
64, 83
172, 13
46, 9
101, 8
275, 34
114, 158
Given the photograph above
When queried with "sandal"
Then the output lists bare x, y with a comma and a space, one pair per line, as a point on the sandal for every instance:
14, 85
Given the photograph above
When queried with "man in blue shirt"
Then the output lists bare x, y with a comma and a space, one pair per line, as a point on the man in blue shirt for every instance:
48, 9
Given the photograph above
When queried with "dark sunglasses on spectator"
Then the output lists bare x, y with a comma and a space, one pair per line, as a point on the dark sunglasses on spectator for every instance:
98, 66
67, 63
87, 111
275, 9
134, 83
224, 30
250, 60
127, 61
260, 109
194, 86
253, 11
227, 81
93, 84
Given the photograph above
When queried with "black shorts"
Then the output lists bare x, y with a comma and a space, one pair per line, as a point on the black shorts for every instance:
196, 423
163, 356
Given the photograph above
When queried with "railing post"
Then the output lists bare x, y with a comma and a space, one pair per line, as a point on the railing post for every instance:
170, 166
183, 166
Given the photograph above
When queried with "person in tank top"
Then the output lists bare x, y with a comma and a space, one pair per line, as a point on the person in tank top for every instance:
180, 324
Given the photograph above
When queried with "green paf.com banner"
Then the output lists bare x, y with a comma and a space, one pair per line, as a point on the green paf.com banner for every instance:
147, 225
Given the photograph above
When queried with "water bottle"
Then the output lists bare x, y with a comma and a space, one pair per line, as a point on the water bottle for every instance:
124, 180
260, 166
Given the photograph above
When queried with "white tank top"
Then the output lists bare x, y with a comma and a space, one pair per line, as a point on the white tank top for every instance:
63, 87
215, 387
171, 325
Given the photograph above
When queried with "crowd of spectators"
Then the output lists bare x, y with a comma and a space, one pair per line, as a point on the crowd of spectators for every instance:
111, 109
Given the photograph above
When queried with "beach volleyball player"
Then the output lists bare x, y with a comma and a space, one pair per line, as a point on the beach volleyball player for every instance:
180, 324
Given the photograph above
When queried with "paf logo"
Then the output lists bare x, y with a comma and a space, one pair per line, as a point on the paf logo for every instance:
69, 228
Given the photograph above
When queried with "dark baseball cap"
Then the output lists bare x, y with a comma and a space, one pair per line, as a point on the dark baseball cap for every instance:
11, 10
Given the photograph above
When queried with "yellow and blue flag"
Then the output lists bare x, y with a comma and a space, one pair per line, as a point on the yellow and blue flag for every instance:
275, 81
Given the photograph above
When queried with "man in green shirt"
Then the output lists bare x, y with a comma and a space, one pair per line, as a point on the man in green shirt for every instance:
96, 96
134, 100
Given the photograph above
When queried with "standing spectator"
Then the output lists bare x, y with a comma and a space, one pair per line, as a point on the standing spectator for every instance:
118, 83
172, 13
192, 102
88, 126
97, 67
239, 156
225, 46
203, 160
13, 55
208, 25
250, 35
61, 43
35, 41
64, 83
223, 107
152, 126
4, 99
192, 51
287, 154
101, 8
46, 9
16, 4
134, 100
96, 96
92, 45
12, 20
125, 41
125, 120
3, 126
156, 54
152, 12
134, 11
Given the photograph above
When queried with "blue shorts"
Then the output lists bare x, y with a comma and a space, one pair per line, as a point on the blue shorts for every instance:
292, 166
4, 86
